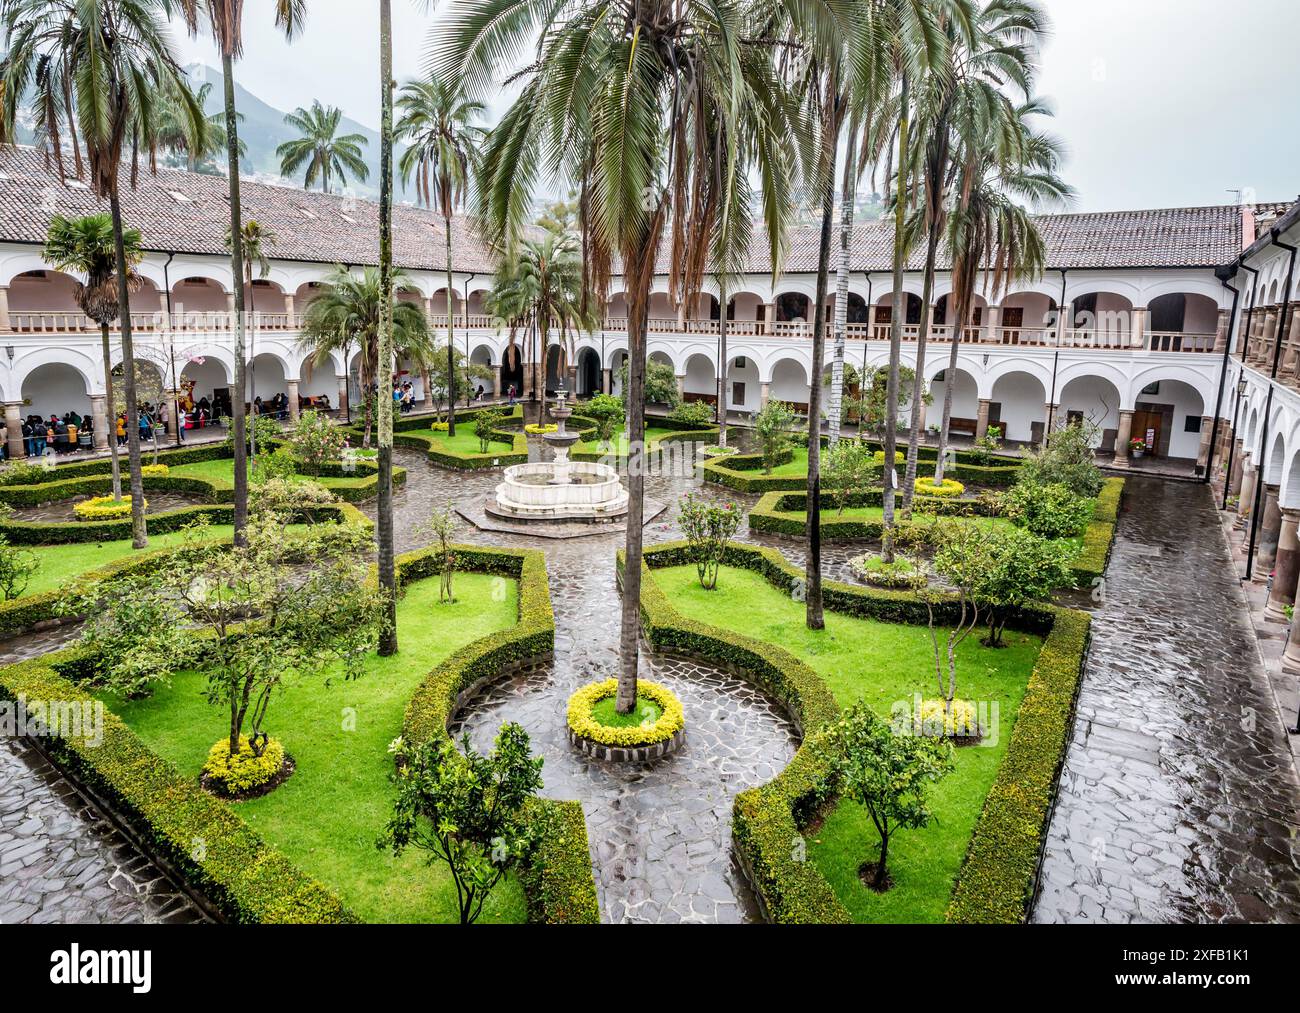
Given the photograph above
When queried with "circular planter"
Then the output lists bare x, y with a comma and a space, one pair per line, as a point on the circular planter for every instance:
716, 452
904, 576
635, 744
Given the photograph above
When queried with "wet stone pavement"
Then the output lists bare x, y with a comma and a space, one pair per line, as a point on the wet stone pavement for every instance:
1178, 798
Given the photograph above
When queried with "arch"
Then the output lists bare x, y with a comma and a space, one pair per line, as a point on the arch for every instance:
482, 355
1093, 398
745, 306
885, 307
744, 388
268, 375
788, 382
1019, 400
1205, 386
701, 382
965, 396
1275, 460
1104, 314
1175, 409
1290, 497
793, 307
588, 375
55, 388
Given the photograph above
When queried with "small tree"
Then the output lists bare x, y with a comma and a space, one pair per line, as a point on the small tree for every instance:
1020, 568
708, 528
263, 428
1049, 511
467, 811
607, 412
660, 383
442, 525
16, 568
773, 425
486, 424
887, 773
692, 413
316, 441
987, 445
962, 558
848, 467
1066, 459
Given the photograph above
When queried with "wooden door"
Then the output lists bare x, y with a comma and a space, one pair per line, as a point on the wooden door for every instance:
1147, 425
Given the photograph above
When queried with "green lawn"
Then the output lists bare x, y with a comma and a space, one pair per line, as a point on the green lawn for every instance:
221, 473
464, 442
879, 663
327, 817
653, 435
61, 563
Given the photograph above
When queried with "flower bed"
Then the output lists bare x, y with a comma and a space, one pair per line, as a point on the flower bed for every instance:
947, 489
996, 879
633, 742
901, 574
104, 508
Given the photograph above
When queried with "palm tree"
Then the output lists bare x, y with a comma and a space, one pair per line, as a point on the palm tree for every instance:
113, 61
257, 242
438, 124
321, 148
641, 106
384, 527
541, 285
225, 19
346, 312
85, 245
199, 152
1002, 161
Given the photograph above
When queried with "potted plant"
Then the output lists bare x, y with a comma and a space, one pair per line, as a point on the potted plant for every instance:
1137, 448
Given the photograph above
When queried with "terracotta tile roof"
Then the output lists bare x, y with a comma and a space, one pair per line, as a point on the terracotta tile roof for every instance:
186, 213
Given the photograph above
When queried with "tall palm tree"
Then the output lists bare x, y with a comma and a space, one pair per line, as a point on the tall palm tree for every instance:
326, 153
198, 152
384, 527
1003, 161
346, 313
437, 122
257, 242
114, 60
987, 54
626, 99
86, 245
541, 285
225, 20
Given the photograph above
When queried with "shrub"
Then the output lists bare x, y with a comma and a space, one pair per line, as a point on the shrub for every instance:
16, 569
660, 383
1020, 568
708, 528
103, 508
288, 495
669, 723
901, 574
538, 429
439, 427
21, 473
955, 720
315, 440
694, 413
772, 425
607, 412
245, 771
265, 428
278, 464
848, 467
987, 445
485, 425
1049, 511
154, 471
925, 486
878, 458
1067, 459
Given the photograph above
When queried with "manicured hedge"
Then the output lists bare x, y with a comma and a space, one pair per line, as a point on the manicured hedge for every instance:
1099, 539
996, 880
558, 879
681, 435
245, 878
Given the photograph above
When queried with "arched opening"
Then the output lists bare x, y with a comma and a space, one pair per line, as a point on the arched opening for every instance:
46, 301
267, 387
617, 360
701, 380
266, 303
1183, 321
554, 357
790, 384
1093, 401
965, 402
1019, 405
793, 307
1028, 319
589, 379
1101, 320
196, 300
55, 389
512, 370
744, 391
943, 317
1168, 416
206, 383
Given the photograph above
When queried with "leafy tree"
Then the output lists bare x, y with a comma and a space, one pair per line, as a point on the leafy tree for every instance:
694, 413
869, 406
1066, 459
195, 154
438, 124
86, 246
773, 425
97, 72
1020, 568
888, 773
16, 568
1049, 511
607, 412
442, 525
316, 441
988, 445
321, 148
708, 528
257, 242
486, 423
962, 557
850, 467
263, 428
468, 811
660, 383
466, 375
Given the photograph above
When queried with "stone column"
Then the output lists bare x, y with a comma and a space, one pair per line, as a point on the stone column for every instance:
1138, 335
606, 381
1065, 322
291, 392
982, 419
1121, 440
5, 324
1270, 527
1221, 332
764, 392
1287, 567
291, 310
14, 420
99, 417
1234, 478
343, 394
496, 381
1249, 480
1291, 656
1203, 455
1268, 331
681, 386
921, 425
993, 325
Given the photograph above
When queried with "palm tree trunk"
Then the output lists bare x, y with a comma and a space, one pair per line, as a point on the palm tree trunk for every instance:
896, 332
112, 412
962, 310
847, 193
813, 517
139, 533
918, 381
721, 407
238, 419
384, 526
451, 337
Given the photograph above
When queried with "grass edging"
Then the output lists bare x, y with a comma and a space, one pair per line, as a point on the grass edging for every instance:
997, 877
558, 880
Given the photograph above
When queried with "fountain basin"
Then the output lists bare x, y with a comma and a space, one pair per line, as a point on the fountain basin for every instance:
573, 490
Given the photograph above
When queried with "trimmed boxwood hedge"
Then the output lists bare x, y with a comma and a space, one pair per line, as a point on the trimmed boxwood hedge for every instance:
680, 435
558, 879
1099, 539
997, 877
416, 434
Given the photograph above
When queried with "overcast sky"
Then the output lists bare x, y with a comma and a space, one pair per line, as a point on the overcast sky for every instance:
1160, 102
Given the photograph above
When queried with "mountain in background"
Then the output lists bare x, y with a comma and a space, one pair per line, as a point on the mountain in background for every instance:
263, 130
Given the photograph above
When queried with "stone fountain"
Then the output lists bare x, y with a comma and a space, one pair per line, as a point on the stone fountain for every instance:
560, 489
